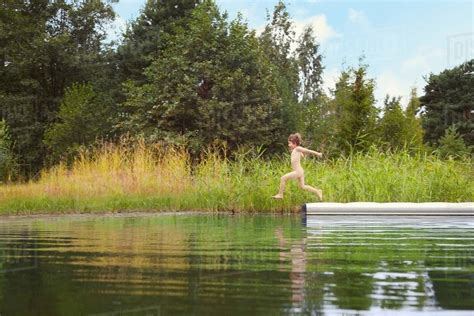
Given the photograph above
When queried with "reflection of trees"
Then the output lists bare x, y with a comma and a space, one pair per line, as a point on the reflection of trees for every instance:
20, 271
195, 263
345, 268
453, 290
382, 268
452, 277
223, 264
352, 290
234, 266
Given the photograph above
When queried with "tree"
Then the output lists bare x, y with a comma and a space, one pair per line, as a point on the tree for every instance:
143, 41
314, 104
154, 28
8, 165
392, 124
448, 100
310, 66
401, 129
319, 124
452, 144
81, 120
277, 40
213, 82
46, 46
413, 131
355, 110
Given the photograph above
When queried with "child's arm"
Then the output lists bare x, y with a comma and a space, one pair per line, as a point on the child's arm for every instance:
308, 151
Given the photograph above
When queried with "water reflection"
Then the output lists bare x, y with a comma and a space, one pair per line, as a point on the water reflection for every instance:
195, 264
390, 263
295, 253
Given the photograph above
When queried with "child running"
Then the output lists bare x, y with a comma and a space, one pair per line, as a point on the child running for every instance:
294, 141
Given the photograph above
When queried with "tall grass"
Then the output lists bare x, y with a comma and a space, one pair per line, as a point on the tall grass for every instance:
141, 178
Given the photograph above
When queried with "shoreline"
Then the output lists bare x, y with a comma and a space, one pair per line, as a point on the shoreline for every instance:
127, 213
136, 213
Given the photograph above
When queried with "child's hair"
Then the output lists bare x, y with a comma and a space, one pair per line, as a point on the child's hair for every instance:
295, 138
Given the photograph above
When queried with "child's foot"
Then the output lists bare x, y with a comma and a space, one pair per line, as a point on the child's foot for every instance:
278, 196
319, 193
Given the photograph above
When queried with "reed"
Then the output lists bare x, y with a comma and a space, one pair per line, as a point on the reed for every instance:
117, 178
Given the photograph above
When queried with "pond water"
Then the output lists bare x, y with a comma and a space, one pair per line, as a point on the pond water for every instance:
221, 264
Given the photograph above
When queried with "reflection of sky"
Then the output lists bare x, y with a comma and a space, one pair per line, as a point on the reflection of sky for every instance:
402, 40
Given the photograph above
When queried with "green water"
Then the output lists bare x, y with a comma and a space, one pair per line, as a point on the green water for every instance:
224, 265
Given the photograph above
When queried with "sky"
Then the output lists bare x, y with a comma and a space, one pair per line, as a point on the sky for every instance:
403, 41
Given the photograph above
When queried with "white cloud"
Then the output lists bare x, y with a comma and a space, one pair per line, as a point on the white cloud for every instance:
322, 30
357, 17
321, 27
416, 62
423, 60
395, 86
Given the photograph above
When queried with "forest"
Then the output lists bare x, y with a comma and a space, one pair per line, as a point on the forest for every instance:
184, 76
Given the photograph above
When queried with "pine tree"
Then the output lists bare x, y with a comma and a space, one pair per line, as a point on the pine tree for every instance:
81, 120
393, 123
319, 124
413, 131
452, 144
448, 100
355, 110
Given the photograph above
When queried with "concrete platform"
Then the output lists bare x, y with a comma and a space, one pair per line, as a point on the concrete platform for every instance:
393, 208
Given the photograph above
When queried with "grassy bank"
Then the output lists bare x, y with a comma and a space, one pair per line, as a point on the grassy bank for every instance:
149, 179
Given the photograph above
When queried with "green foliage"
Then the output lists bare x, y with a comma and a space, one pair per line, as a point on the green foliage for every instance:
392, 124
452, 144
319, 121
46, 46
310, 66
401, 129
276, 41
447, 101
146, 36
413, 131
8, 165
185, 74
355, 111
315, 106
81, 120
212, 83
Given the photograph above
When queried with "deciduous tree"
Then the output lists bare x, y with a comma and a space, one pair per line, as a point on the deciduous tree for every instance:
212, 83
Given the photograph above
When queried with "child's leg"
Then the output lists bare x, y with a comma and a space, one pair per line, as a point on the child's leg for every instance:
309, 188
291, 175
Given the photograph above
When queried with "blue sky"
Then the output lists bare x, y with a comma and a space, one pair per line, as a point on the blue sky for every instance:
402, 40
